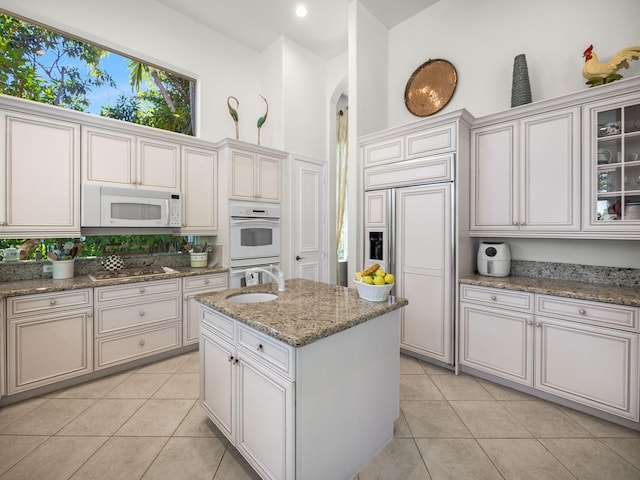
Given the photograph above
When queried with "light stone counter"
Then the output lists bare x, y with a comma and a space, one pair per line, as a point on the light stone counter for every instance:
598, 292
45, 285
305, 312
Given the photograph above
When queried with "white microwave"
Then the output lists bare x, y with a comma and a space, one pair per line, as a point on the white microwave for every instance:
128, 207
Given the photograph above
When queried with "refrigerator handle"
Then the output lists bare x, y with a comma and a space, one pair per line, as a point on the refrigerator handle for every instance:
391, 232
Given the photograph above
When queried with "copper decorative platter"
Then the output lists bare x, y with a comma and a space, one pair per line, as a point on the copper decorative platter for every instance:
430, 87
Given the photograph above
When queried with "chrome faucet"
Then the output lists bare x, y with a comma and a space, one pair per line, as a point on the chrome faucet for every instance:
278, 276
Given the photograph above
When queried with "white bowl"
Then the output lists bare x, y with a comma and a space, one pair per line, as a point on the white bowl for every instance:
373, 293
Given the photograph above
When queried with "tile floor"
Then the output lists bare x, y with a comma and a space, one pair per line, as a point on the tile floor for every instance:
146, 424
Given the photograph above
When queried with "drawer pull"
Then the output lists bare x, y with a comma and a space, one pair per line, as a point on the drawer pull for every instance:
142, 313
230, 358
529, 322
142, 343
89, 314
260, 349
142, 290
582, 311
52, 302
206, 282
538, 324
494, 298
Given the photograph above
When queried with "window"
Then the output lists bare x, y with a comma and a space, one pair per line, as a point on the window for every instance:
48, 67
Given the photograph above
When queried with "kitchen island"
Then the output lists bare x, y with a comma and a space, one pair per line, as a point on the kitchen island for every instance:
306, 385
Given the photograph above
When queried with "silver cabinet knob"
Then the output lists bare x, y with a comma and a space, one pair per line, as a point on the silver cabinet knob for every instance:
529, 322
538, 324
494, 298
142, 290
89, 314
142, 343
582, 311
207, 282
52, 302
142, 313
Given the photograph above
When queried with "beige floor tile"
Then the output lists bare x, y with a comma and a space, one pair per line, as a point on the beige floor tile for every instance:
156, 418
433, 419
15, 447
104, 417
11, 413
399, 460
188, 458
400, 428
197, 424
460, 387
590, 459
418, 387
138, 385
599, 427
489, 419
627, 448
121, 458
56, 459
169, 365
455, 459
49, 417
500, 392
410, 365
234, 467
544, 420
192, 365
524, 459
180, 385
432, 369
94, 389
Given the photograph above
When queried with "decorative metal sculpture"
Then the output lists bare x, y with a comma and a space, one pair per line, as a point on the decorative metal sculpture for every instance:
262, 119
234, 112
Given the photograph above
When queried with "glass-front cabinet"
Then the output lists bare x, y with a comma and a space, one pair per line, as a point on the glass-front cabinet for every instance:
612, 167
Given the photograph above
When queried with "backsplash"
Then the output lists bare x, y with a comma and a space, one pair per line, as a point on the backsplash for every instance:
623, 277
32, 269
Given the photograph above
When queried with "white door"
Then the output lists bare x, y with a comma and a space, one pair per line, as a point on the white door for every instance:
424, 269
308, 247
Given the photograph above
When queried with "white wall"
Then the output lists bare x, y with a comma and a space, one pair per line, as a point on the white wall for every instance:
481, 38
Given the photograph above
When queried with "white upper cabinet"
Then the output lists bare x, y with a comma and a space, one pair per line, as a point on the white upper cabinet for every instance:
254, 177
40, 174
199, 191
120, 159
526, 176
612, 167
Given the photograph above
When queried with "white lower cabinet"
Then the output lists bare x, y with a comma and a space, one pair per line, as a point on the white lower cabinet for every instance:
3, 387
192, 286
137, 320
44, 348
564, 347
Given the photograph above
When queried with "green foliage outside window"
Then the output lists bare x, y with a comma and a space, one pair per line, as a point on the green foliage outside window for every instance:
48, 67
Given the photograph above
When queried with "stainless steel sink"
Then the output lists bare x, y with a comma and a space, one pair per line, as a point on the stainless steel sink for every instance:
252, 297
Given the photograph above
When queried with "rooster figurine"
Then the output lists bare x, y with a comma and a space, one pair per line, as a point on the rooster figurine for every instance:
598, 73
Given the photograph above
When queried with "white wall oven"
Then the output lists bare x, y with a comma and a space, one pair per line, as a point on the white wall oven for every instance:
254, 239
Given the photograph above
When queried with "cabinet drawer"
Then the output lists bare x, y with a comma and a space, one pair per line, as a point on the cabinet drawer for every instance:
114, 318
497, 297
205, 283
594, 313
276, 355
223, 326
432, 141
116, 292
48, 302
385, 151
124, 348
410, 172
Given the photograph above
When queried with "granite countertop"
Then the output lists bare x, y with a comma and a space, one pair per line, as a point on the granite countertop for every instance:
305, 312
598, 292
44, 285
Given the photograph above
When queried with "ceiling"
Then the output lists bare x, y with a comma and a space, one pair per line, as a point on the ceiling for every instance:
258, 23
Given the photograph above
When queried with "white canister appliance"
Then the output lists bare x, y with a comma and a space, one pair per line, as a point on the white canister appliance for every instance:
494, 259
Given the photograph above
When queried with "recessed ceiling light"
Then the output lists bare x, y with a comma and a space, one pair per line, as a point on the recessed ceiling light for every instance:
301, 11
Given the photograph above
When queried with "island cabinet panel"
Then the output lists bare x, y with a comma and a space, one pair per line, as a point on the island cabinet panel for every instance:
192, 286
323, 419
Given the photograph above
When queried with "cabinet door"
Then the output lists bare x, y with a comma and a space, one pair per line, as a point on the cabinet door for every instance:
265, 421
46, 349
41, 175
242, 179
3, 388
217, 394
497, 341
424, 270
108, 157
268, 179
550, 172
200, 191
376, 205
158, 165
494, 178
591, 365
